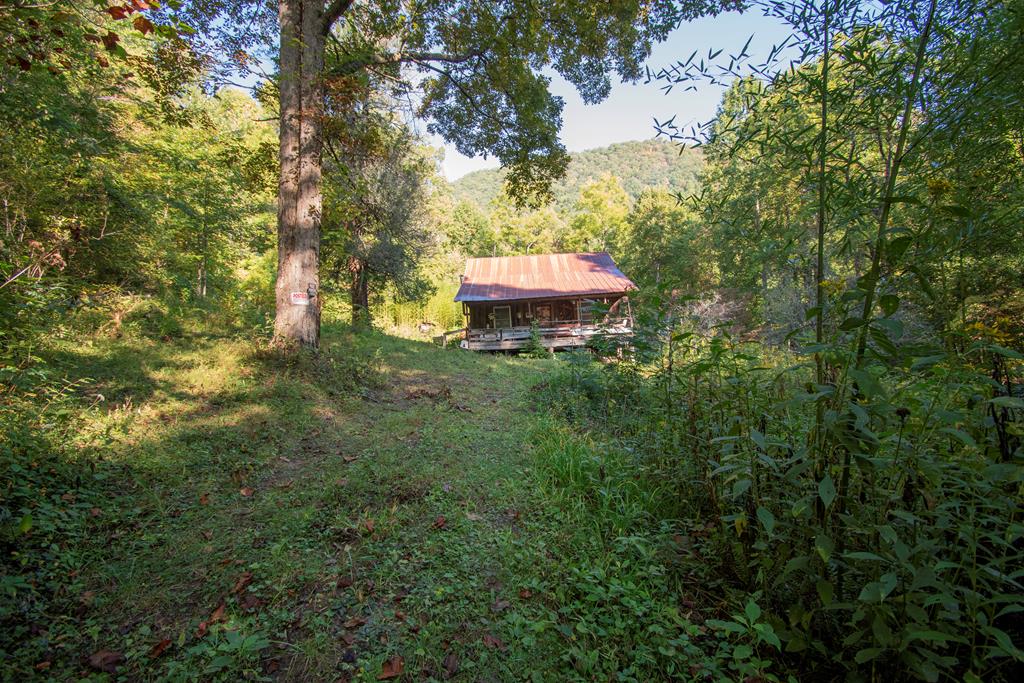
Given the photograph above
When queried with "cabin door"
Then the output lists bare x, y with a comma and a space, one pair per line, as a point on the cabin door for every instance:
502, 317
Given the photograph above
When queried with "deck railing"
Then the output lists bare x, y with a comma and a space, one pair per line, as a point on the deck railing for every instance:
572, 332
551, 330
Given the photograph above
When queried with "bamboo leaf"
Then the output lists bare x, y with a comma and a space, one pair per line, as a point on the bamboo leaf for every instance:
827, 491
889, 303
767, 519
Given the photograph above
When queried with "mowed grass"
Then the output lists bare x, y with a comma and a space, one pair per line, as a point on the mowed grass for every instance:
372, 511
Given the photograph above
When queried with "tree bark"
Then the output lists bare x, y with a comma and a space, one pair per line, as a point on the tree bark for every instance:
359, 292
299, 193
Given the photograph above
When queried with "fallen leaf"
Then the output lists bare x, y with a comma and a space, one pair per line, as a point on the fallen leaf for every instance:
204, 499
218, 614
117, 12
342, 482
369, 524
201, 629
95, 512
246, 491
273, 665
110, 40
500, 605
350, 458
68, 498
526, 594
106, 660
472, 516
344, 582
208, 535
42, 666
354, 622
143, 25
159, 648
451, 664
440, 522
87, 597
349, 638
392, 668
244, 580
494, 642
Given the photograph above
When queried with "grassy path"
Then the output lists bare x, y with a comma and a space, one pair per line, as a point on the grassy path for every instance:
260, 519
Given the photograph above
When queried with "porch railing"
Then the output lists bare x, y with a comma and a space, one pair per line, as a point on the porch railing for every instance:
553, 329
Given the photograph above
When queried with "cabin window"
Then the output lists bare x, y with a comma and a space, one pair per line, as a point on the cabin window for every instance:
565, 311
502, 317
543, 313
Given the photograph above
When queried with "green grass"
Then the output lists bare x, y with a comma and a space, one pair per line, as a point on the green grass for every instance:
384, 499
395, 515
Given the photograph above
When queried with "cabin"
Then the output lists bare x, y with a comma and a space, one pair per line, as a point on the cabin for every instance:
571, 297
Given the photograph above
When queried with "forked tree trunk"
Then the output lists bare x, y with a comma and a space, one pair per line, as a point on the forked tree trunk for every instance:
299, 196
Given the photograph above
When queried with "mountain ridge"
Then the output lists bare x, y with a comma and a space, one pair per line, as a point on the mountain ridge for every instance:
639, 164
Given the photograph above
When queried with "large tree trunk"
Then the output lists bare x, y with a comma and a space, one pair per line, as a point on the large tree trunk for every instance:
299, 195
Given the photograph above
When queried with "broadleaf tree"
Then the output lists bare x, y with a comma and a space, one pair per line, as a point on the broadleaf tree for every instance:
479, 69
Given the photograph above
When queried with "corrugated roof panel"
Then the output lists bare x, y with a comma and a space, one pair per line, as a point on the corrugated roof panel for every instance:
540, 276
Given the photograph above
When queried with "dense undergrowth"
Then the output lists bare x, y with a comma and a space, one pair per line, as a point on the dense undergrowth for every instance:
660, 519
126, 431
181, 505
891, 549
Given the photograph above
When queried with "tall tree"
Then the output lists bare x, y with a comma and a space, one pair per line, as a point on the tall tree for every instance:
599, 217
479, 64
375, 228
299, 201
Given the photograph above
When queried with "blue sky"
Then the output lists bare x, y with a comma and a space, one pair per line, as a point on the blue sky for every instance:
628, 111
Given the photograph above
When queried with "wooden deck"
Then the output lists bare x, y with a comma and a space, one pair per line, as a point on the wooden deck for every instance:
556, 335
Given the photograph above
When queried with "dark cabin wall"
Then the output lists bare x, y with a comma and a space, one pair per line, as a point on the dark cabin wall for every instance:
524, 312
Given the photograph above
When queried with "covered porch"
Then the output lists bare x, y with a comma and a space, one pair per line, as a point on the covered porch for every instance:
561, 323
569, 298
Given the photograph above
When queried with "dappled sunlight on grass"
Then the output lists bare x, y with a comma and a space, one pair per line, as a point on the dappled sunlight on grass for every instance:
381, 498
220, 463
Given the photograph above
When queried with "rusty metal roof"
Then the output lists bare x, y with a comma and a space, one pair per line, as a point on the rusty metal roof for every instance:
541, 276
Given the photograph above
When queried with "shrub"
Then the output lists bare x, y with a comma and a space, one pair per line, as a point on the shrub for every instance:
534, 347
894, 546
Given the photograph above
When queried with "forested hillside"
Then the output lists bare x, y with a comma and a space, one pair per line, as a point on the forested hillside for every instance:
638, 165
231, 449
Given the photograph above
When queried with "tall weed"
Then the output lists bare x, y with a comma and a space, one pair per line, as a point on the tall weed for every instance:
900, 557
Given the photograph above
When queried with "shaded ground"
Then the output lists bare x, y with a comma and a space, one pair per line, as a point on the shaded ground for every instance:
308, 521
